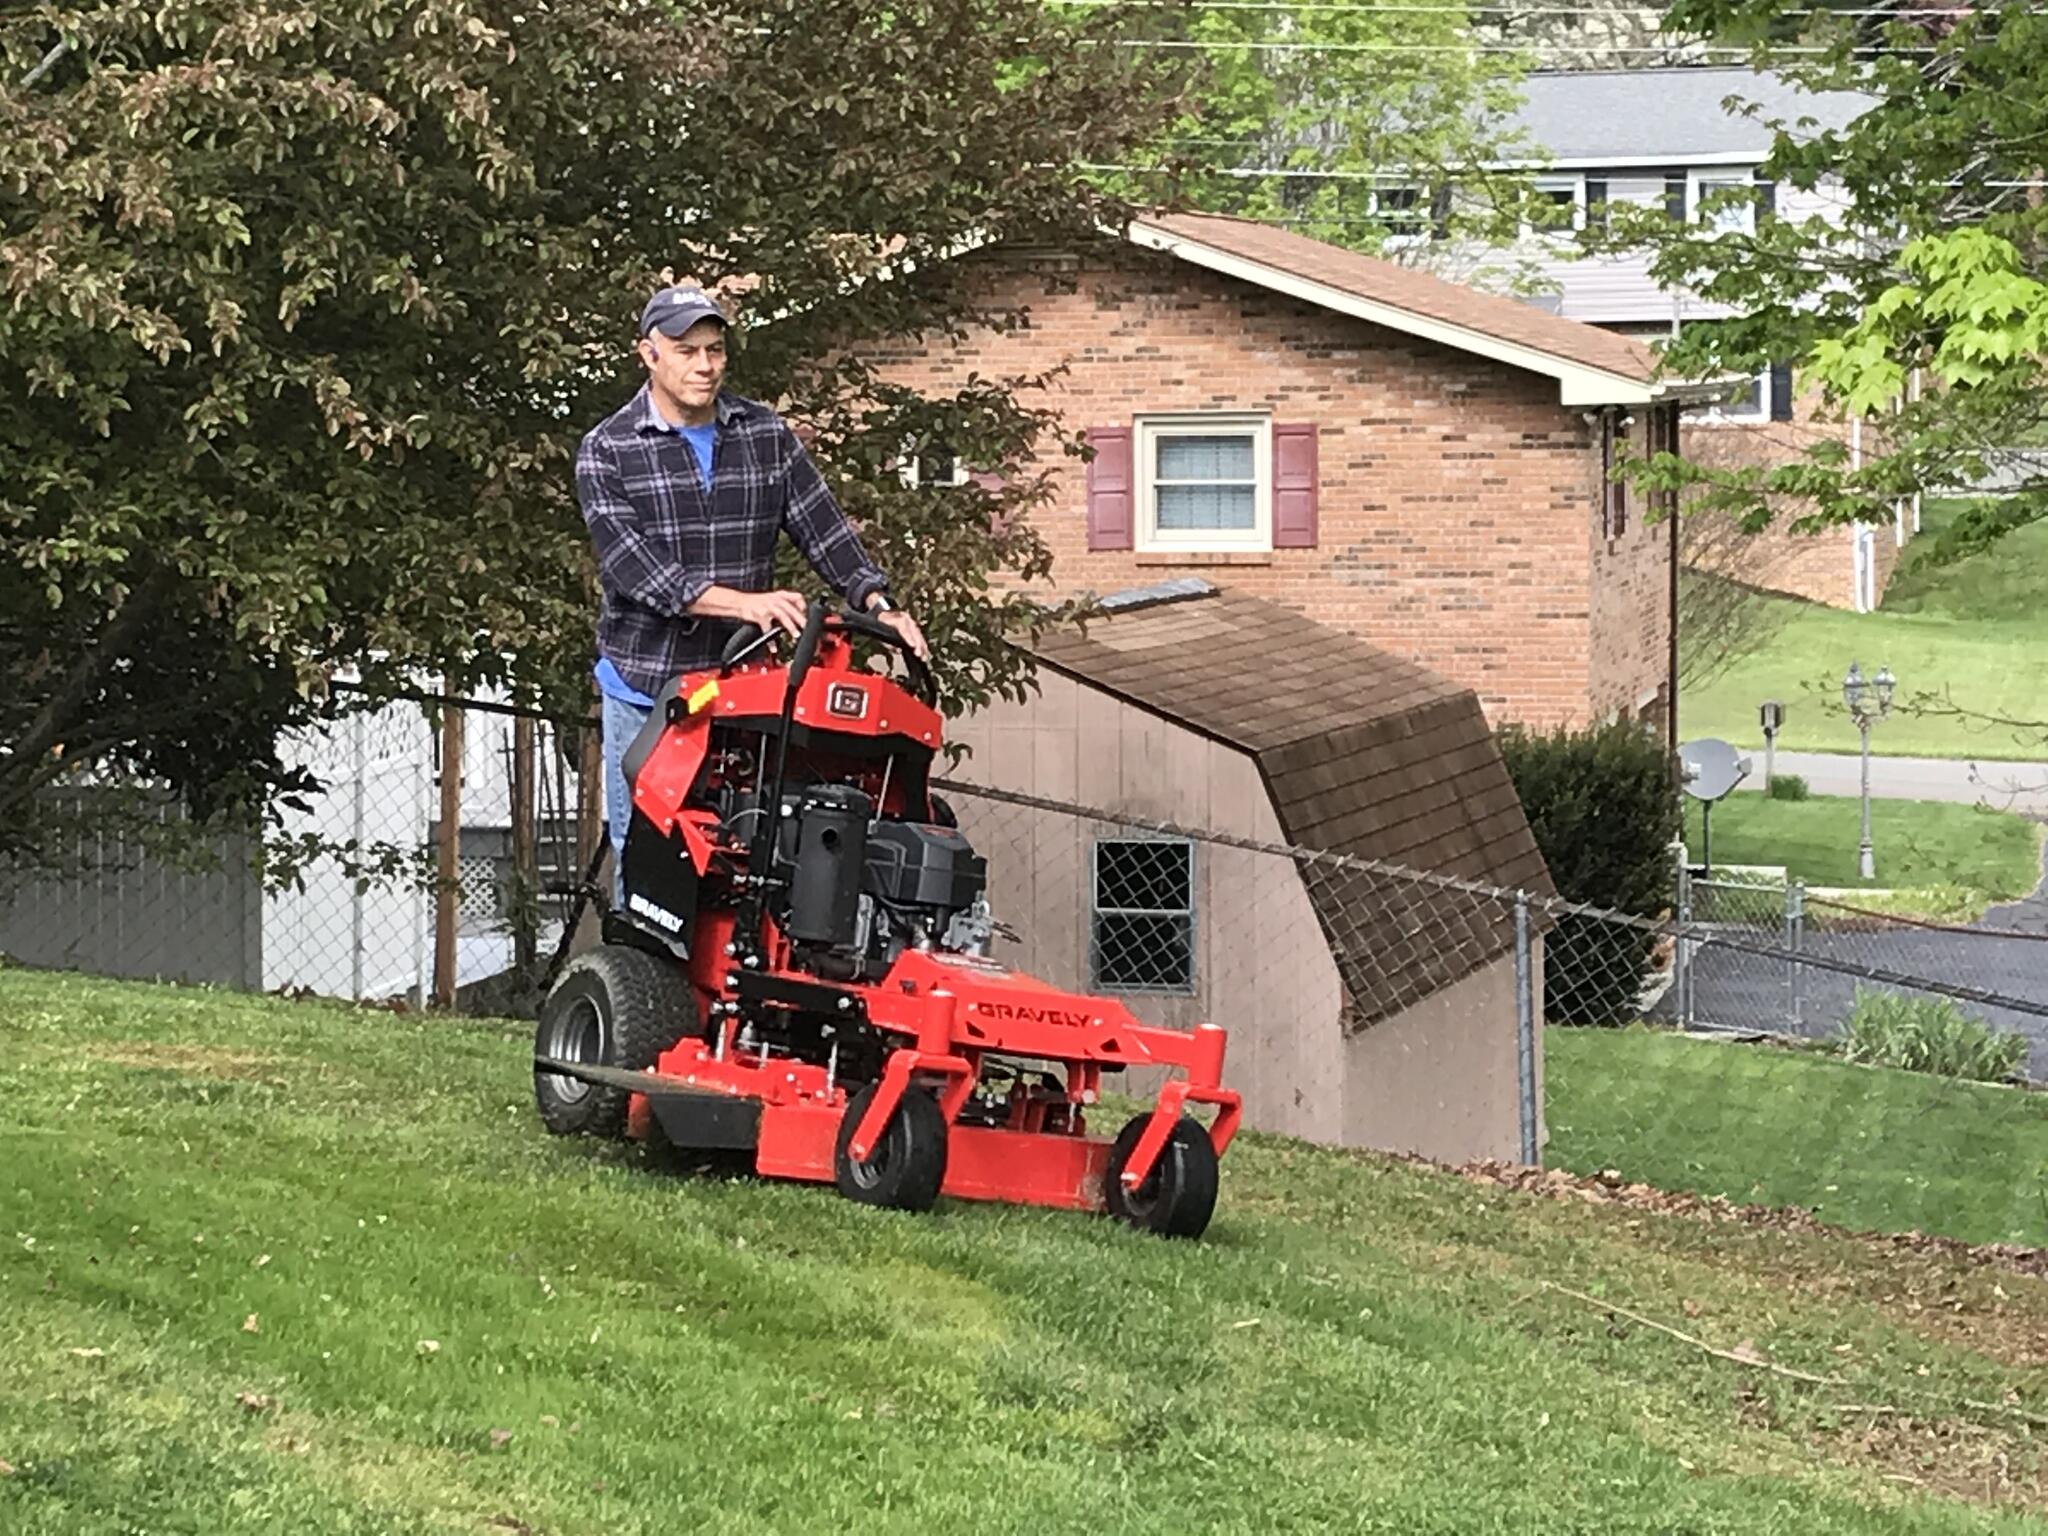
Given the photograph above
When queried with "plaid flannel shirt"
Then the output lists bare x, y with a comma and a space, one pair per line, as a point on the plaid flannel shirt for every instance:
661, 541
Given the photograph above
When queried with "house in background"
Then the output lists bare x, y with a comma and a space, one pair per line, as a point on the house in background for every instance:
1667, 138
1365, 1009
1408, 461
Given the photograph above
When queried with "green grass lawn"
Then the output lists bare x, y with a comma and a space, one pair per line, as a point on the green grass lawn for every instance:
1920, 844
1975, 630
281, 1266
1862, 1147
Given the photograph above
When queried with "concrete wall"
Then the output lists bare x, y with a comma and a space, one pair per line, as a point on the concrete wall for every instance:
1428, 1080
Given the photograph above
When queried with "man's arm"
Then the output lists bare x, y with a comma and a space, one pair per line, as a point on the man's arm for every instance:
630, 564
814, 521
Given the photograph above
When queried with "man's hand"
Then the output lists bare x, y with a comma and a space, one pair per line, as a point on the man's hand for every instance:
769, 611
905, 626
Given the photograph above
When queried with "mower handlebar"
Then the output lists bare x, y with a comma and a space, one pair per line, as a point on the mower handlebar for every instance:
749, 638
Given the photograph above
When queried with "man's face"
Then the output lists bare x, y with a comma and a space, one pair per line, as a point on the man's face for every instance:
689, 367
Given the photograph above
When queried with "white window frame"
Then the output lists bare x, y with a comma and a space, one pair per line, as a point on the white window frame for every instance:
1422, 210
1145, 444
1096, 912
910, 469
1698, 183
1574, 184
1717, 413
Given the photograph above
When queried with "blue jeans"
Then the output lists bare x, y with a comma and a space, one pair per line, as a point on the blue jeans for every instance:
622, 722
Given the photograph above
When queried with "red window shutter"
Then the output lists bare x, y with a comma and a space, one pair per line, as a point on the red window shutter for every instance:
1294, 485
1109, 488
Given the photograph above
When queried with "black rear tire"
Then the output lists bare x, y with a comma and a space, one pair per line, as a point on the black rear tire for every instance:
907, 1163
1179, 1195
613, 1007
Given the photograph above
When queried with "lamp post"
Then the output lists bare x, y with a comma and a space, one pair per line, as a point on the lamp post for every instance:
1869, 699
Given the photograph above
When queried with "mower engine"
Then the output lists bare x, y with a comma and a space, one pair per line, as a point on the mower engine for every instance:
862, 889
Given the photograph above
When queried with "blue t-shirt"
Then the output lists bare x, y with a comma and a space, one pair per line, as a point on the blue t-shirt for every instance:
703, 443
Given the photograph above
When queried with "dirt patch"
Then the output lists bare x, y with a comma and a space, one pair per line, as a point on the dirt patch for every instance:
191, 1060
1611, 1189
1952, 1457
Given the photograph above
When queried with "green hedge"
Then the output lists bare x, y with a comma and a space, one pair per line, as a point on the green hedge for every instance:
1602, 807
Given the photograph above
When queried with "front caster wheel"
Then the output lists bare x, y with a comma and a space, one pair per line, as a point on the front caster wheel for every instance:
1178, 1196
907, 1163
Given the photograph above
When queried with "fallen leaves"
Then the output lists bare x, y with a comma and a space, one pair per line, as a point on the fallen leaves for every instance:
90, 1354
428, 1346
500, 1438
256, 1402
249, 1324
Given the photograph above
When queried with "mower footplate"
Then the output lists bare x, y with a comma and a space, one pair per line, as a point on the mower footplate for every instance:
689, 1117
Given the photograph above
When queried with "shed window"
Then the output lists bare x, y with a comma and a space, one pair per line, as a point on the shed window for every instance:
1205, 483
1142, 927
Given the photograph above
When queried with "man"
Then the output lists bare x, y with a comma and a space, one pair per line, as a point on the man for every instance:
684, 488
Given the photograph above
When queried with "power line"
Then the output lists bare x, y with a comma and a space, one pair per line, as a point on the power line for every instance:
1664, 50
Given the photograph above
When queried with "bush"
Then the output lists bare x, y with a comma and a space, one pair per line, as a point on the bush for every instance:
1787, 786
1604, 813
1927, 1034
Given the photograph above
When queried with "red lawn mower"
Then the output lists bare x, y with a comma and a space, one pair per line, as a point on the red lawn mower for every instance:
800, 969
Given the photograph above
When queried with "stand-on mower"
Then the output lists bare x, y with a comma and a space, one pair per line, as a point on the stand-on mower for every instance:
800, 969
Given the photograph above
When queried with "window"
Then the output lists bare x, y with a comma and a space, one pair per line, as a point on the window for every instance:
1748, 402
1205, 483
1733, 216
1558, 205
1404, 211
1142, 930
1614, 434
935, 465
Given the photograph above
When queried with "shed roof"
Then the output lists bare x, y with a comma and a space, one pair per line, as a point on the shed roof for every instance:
1363, 754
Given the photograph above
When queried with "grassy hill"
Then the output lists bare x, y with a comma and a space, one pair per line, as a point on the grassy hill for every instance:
273, 1266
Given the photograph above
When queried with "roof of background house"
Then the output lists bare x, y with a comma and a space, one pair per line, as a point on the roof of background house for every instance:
1593, 367
1670, 115
1363, 754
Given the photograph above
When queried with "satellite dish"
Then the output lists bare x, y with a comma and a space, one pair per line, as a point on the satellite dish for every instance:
1711, 769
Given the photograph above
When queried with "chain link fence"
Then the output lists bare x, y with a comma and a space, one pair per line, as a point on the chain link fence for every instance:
1369, 1004
395, 883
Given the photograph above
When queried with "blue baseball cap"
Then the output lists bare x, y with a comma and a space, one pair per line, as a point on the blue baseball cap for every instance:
675, 309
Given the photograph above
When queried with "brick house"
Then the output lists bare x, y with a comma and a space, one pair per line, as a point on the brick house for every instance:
1399, 457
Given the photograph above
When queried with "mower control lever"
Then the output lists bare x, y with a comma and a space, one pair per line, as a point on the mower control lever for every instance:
875, 629
746, 640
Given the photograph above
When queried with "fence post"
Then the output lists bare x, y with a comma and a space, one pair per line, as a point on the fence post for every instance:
1681, 944
359, 764
525, 882
1525, 1030
447, 885
1795, 934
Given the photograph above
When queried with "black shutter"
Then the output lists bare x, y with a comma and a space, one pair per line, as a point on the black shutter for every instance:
1596, 204
1767, 199
1674, 196
1781, 391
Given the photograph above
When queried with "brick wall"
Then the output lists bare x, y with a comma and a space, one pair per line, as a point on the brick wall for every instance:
1819, 566
1459, 515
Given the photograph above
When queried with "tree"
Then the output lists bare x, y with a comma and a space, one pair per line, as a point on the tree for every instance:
1917, 297
1348, 123
308, 307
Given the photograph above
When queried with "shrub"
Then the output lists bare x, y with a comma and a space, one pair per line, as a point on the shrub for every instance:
1787, 786
1927, 1034
1604, 813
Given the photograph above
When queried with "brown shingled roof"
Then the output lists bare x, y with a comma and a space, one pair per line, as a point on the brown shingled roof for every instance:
1416, 293
1363, 753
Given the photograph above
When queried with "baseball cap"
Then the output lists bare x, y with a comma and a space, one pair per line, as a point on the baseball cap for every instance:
675, 309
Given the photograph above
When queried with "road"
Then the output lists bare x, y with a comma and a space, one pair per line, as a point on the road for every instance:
2008, 786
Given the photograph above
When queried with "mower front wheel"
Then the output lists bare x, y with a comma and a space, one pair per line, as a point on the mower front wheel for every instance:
907, 1163
1177, 1198
613, 1007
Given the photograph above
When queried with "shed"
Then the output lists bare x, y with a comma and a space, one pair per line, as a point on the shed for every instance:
1369, 1003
